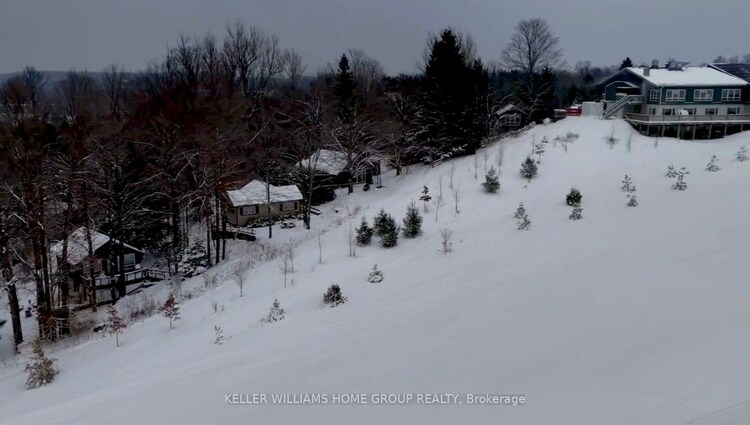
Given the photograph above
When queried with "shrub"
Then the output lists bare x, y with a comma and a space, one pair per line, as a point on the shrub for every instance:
41, 369
412, 221
574, 197
524, 223
633, 202
171, 310
333, 296
218, 335
491, 181
741, 155
712, 165
576, 213
376, 276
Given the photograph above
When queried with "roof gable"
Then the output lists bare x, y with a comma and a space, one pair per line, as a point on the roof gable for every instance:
78, 247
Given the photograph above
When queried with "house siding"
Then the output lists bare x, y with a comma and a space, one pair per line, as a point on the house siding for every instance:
237, 219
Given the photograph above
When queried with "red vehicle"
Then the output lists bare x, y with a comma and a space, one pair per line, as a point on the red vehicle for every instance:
574, 111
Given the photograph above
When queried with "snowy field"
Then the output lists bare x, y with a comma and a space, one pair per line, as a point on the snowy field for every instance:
628, 316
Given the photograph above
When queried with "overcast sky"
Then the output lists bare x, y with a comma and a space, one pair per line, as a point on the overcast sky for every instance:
90, 34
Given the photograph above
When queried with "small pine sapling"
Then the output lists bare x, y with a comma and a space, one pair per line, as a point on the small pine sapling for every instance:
218, 335
671, 172
412, 222
171, 310
41, 369
333, 296
576, 213
115, 324
632, 202
491, 181
712, 165
680, 183
389, 236
574, 197
741, 155
627, 185
528, 168
379, 221
276, 313
364, 233
376, 275
524, 223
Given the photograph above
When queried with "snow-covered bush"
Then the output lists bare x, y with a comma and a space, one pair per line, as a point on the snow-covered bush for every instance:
576, 213
633, 202
412, 221
376, 276
194, 260
171, 310
491, 181
218, 335
627, 185
680, 183
389, 233
364, 233
378, 223
41, 369
520, 211
574, 197
333, 296
528, 168
712, 165
671, 172
276, 313
741, 155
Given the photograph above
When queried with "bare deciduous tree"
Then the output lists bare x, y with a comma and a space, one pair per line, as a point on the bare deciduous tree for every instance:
240, 274
446, 238
438, 201
457, 195
532, 48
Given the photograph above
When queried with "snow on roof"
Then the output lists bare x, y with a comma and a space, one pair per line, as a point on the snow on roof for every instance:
326, 161
254, 193
78, 248
506, 108
689, 76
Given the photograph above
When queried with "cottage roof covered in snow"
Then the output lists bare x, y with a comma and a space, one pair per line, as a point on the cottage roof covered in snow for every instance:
688, 76
78, 248
254, 193
326, 161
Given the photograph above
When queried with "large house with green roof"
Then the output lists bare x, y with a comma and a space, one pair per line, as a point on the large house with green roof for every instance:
678, 101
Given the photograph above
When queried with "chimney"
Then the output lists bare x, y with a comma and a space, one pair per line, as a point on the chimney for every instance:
655, 64
646, 71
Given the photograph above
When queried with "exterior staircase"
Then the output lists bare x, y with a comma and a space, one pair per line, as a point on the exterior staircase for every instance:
615, 107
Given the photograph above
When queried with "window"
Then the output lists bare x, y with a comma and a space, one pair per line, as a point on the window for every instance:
652, 111
129, 261
512, 120
703, 95
730, 95
667, 111
654, 96
687, 111
288, 206
675, 95
710, 111
251, 210
733, 111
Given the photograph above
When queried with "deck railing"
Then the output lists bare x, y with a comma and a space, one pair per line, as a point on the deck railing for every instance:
687, 119
133, 276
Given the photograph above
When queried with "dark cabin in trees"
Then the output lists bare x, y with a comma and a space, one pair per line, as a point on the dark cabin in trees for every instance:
106, 264
510, 118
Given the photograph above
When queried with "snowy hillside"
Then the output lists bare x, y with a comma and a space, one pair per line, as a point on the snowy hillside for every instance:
630, 315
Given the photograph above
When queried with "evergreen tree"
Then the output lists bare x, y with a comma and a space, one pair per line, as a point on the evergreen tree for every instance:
627, 185
524, 223
633, 202
626, 63
528, 168
520, 211
574, 197
576, 213
453, 94
115, 324
376, 276
218, 335
741, 155
671, 172
343, 90
412, 221
389, 235
491, 181
171, 310
334, 296
276, 313
379, 222
364, 233
712, 165
680, 183
41, 370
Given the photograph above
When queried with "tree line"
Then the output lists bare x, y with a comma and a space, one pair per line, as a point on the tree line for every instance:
145, 157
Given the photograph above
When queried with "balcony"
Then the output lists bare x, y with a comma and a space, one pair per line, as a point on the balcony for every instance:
687, 119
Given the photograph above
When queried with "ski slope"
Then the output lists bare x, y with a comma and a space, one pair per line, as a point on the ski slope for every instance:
630, 315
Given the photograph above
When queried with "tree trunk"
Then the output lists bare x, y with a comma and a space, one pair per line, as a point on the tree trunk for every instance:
15, 315
208, 241
218, 218
6, 271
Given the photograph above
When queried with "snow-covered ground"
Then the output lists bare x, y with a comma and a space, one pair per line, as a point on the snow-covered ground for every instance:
631, 315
